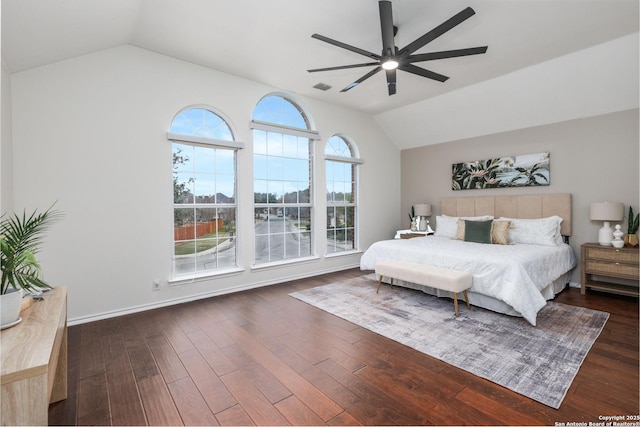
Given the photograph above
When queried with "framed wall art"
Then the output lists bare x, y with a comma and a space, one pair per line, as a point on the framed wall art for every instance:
527, 170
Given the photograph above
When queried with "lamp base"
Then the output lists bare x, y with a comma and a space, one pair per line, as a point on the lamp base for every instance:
605, 235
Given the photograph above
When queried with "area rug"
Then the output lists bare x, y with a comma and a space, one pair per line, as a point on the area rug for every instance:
539, 362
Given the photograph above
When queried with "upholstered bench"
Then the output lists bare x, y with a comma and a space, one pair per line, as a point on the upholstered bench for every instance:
436, 277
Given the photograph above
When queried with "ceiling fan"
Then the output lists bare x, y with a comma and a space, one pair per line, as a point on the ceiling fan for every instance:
392, 58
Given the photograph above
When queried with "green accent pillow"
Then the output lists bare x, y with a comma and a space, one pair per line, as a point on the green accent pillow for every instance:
477, 231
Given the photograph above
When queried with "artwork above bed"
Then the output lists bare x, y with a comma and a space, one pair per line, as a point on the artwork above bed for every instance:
526, 170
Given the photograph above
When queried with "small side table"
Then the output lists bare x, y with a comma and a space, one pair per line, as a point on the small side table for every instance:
609, 262
408, 234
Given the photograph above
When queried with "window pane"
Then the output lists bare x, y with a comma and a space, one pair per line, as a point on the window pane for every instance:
183, 224
204, 188
292, 215
351, 217
259, 166
201, 122
290, 169
204, 160
331, 218
303, 148
290, 146
260, 191
303, 170
274, 144
290, 192
183, 187
303, 194
259, 142
225, 162
305, 244
182, 155
275, 167
278, 110
225, 189
275, 191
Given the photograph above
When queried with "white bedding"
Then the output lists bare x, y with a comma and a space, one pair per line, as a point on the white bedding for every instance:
519, 275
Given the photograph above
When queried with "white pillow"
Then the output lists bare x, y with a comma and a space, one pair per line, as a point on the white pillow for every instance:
540, 231
446, 226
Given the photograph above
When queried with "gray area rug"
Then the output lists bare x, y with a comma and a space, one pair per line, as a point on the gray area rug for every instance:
539, 362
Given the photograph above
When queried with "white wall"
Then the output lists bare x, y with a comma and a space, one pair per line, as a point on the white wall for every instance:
90, 132
6, 148
594, 81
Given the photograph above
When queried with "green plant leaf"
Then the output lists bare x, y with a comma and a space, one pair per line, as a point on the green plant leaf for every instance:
21, 236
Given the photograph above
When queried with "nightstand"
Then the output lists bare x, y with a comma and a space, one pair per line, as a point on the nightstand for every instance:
609, 262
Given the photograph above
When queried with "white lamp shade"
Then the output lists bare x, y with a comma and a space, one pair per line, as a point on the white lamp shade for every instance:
422, 209
606, 211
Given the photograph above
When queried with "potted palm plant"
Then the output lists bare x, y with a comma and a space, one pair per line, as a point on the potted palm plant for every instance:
20, 239
631, 239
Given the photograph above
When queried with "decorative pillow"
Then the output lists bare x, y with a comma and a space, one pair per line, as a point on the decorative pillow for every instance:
542, 231
500, 232
446, 226
477, 231
460, 229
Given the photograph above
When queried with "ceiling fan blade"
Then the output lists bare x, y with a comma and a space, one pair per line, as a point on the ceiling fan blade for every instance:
446, 54
391, 81
344, 67
361, 79
437, 31
386, 27
410, 68
346, 46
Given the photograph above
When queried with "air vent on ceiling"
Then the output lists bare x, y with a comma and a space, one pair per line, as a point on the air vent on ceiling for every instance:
322, 86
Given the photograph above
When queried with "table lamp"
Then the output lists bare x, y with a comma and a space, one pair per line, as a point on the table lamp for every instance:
422, 211
606, 211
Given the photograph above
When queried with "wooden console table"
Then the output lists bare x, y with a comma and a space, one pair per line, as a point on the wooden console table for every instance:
34, 361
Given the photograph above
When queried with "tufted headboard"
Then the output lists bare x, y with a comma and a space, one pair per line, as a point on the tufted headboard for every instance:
516, 206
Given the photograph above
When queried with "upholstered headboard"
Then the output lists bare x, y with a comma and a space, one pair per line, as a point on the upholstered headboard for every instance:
516, 206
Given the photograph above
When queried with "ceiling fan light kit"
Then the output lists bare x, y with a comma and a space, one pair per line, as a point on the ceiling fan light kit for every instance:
393, 58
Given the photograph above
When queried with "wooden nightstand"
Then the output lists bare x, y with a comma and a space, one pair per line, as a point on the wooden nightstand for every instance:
607, 261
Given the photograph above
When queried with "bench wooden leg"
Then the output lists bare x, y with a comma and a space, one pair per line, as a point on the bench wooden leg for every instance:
455, 302
379, 283
466, 298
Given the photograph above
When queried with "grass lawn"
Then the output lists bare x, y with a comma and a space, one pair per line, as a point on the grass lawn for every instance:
204, 242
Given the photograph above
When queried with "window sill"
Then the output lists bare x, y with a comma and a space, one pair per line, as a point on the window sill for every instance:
284, 263
186, 279
343, 253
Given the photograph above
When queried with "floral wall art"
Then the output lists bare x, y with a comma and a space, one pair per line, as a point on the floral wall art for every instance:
525, 170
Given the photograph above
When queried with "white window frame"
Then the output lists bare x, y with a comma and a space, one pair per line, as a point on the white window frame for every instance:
312, 136
354, 161
213, 143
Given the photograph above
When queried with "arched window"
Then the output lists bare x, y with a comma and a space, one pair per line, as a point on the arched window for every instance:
282, 181
342, 190
204, 192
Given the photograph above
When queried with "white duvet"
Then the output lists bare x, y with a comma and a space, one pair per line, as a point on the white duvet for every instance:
514, 274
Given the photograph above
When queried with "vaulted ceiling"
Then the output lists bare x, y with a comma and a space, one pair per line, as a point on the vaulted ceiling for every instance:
269, 41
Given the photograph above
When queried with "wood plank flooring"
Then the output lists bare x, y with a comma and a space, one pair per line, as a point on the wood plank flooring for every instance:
261, 357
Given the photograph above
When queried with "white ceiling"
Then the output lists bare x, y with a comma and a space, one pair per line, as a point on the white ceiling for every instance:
269, 41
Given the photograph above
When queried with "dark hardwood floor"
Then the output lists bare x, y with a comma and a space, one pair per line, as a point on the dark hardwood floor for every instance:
261, 357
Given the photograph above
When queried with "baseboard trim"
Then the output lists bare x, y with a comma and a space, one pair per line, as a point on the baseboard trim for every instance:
195, 297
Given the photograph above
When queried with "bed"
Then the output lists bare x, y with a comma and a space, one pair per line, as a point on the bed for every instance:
516, 278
